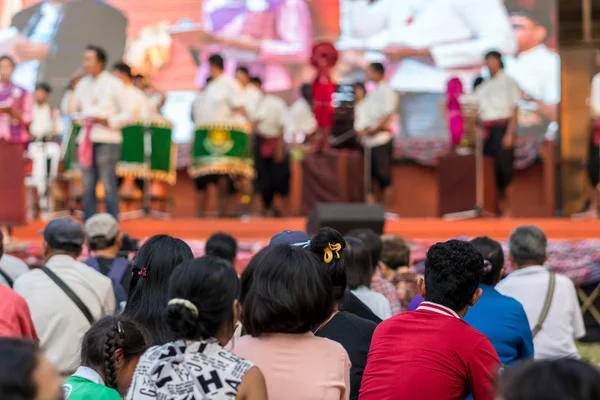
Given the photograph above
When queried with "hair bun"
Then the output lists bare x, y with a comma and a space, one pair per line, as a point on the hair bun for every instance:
325, 241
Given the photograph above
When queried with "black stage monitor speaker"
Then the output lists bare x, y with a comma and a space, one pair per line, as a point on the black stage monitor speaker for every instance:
345, 217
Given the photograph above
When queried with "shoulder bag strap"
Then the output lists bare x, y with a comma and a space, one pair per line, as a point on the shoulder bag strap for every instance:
549, 295
7, 278
69, 292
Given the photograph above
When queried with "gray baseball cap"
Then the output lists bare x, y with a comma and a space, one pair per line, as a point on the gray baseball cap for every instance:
102, 226
64, 234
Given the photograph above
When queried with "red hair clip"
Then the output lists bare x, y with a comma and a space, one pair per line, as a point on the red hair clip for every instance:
142, 272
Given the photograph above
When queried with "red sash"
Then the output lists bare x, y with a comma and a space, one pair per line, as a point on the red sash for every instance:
596, 132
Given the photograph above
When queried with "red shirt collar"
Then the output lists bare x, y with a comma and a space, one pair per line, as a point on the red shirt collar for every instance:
437, 308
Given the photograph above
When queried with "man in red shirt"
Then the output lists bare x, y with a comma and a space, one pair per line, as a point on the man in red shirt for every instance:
431, 353
15, 318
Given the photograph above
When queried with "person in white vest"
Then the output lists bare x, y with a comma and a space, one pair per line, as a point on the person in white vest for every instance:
46, 128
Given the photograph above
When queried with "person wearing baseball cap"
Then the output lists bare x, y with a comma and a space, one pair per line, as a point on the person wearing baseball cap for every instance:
59, 321
293, 238
105, 240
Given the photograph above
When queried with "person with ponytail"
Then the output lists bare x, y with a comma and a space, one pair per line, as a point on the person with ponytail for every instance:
501, 318
110, 352
351, 331
201, 314
155, 262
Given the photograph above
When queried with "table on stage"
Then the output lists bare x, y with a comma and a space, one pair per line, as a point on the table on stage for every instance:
12, 184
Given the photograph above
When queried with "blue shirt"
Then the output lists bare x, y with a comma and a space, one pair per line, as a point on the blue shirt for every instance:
503, 320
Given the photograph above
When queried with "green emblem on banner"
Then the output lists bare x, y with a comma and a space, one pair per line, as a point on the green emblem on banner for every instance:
221, 149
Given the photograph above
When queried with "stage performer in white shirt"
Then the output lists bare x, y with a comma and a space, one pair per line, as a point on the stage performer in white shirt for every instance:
46, 128
99, 101
222, 102
273, 164
374, 130
498, 99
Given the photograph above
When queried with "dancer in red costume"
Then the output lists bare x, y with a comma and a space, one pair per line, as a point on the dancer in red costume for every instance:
324, 57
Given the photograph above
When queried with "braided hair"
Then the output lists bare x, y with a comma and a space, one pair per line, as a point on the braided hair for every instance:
105, 337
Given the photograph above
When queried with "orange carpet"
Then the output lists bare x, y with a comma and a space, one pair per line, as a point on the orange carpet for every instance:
261, 229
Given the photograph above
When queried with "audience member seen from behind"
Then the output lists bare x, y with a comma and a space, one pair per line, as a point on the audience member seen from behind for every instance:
531, 283
105, 240
26, 374
10, 267
551, 380
110, 351
222, 245
201, 313
500, 318
59, 322
372, 242
352, 332
431, 353
395, 267
15, 318
359, 271
286, 293
349, 302
153, 266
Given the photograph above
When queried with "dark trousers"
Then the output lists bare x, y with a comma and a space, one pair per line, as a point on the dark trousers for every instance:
503, 158
272, 178
381, 164
106, 157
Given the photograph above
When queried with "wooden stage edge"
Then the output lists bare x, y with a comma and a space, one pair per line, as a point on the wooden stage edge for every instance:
263, 228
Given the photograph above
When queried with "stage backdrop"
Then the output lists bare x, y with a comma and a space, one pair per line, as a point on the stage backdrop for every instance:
171, 40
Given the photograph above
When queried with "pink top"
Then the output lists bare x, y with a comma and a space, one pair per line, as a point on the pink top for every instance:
298, 367
12, 130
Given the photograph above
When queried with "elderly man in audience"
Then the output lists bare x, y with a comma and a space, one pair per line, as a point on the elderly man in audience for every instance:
431, 353
549, 299
66, 296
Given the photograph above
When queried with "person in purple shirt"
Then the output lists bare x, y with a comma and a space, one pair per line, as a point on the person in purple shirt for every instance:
501, 318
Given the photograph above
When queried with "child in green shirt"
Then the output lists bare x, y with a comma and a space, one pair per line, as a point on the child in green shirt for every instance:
110, 351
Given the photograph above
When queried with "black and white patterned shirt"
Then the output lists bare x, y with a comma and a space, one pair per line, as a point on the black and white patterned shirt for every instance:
185, 370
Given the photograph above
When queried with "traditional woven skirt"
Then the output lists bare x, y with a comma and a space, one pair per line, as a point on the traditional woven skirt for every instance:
12, 184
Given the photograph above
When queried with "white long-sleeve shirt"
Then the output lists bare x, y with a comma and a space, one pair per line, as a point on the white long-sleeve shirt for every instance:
103, 97
595, 96
498, 97
300, 118
218, 102
379, 104
270, 114
138, 106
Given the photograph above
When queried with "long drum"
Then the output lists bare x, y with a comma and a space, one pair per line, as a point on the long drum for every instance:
163, 157
222, 149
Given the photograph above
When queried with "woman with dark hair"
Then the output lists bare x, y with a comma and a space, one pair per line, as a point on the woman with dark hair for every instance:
352, 332
360, 270
285, 296
110, 351
25, 374
201, 314
501, 318
551, 380
153, 265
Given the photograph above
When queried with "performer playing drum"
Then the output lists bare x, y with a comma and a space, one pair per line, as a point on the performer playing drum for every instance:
15, 117
222, 100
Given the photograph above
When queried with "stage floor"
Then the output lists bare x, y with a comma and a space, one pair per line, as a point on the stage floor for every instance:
262, 228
